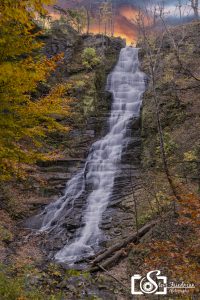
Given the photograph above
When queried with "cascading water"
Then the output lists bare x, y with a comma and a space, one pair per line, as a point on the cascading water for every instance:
127, 84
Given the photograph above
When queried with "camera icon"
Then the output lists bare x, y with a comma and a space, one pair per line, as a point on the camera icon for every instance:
153, 283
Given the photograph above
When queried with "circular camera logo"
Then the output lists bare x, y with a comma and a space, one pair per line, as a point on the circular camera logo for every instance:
148, 285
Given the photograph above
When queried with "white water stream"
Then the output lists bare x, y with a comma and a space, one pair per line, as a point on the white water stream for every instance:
127, 84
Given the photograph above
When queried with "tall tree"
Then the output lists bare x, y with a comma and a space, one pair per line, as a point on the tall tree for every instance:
106, 16
195, 7
76, 17
88, 8
153, 53
24, 122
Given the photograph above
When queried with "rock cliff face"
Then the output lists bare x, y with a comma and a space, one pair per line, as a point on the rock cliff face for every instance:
177, 91
90, 119
90, 108
54, 174
118, 218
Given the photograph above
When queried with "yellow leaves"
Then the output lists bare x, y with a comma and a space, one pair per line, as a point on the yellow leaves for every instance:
54, 103
54, 155
56, 273
17, 26
190, 156
168, 77
18, 78
22, 10
24, 121
32, 121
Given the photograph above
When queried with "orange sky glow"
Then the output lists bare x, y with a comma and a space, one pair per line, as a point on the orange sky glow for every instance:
124, 25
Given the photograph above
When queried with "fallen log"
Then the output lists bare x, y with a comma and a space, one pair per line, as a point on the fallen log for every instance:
131, 239
113, 260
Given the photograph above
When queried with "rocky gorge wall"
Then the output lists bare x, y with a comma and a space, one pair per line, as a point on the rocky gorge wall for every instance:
90, 109
118, 218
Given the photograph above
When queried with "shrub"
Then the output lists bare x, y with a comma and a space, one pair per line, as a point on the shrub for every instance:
90, 58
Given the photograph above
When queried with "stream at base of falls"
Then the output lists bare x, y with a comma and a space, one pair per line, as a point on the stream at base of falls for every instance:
95, 182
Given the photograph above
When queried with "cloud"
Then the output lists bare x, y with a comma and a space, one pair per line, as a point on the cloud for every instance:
125, 12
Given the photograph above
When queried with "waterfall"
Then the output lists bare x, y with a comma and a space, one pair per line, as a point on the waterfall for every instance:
127, 84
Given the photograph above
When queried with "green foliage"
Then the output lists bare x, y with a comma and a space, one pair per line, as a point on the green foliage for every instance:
5, 234
80, 84
190, 164
83, 87
88, 102
19, 288
54, 270
190, 155
169, 144
77, 18
72, 19
90, 58
73, 273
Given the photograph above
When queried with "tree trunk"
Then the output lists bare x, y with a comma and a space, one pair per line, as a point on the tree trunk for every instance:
88, 21
195, 7
162, 145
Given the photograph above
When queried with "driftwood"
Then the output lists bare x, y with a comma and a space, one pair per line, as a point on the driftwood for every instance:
118, 249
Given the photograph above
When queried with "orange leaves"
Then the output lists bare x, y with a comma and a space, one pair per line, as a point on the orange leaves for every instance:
50, 64
178, 252
189, 211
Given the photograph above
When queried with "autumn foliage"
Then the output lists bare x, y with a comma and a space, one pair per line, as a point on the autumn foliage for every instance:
25, 121
178, 253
